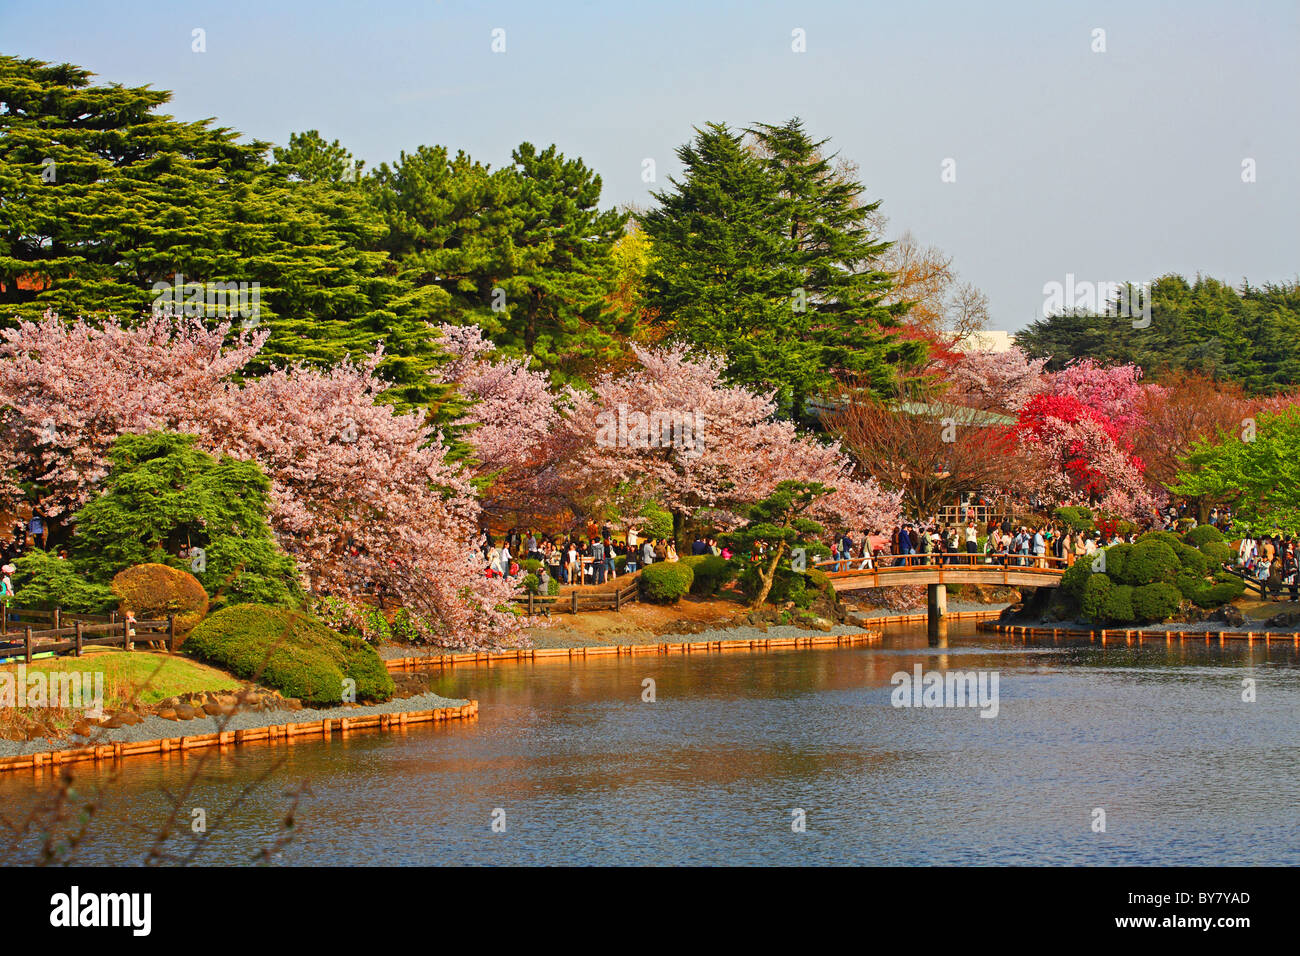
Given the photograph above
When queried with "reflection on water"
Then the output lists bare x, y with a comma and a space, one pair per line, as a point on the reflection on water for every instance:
586, 772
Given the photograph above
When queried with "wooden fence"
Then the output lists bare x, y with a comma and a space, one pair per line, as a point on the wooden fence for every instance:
75, 637
576, 601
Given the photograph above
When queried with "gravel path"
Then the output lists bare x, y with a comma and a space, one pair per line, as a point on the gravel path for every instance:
154, 728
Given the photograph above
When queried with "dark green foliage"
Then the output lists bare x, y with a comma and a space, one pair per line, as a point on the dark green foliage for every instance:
532, 583
1115, 559
1190, 585
763, 254
1076, 517
666, 582
1218, 553
1155, 575
163, 495
1202, 534
1155, 602
44, 582
523, 251
710, 572
1151, 560
1192, 559
291, 652
1117, 605
138, 198
1095, 594
1250, 335
1074, 580
1221, 592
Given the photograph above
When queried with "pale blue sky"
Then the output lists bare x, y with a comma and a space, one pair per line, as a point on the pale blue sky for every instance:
1113, 166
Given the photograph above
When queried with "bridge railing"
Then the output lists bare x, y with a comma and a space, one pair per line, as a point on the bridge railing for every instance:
949, 561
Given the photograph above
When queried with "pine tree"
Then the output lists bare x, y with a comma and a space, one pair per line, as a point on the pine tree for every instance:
763, 254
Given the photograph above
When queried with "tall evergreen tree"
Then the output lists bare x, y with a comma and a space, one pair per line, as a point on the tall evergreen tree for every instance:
522, 251
106, 199
763, 253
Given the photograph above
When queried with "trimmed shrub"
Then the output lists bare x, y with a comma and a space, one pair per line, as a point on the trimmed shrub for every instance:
666, 582
1150, 561
1074, 580
1192, 559
531, 583
1076, 517
291, 652
1222, 592
710, 572
1202, 534
1189, 585
1155, 602
1115, 560
1117, 604
1095, 592
1217, 553
531, 565
153, 591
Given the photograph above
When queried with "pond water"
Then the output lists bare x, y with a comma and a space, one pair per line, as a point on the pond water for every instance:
574, 767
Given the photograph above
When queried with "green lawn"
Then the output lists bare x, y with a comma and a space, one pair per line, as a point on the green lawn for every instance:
155, 676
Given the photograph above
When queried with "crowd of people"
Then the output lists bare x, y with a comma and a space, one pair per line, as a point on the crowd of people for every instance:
1272, 561
602, 555
580, 559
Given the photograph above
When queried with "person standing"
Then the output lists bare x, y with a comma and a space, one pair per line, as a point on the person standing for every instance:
598, 561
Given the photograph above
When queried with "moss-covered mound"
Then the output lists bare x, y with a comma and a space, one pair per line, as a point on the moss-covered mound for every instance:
1148, 581
153, 591
291, 652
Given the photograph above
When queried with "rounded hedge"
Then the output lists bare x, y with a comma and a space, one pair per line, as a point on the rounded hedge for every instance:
153, 591
1075, 579
1155, 602
666, 582
1151, 560
1113, 560
1095, 592
291, 652
1220, 593
1192, 559
710, 572
1117, 604
1076, 517
1218, 553
1203, 534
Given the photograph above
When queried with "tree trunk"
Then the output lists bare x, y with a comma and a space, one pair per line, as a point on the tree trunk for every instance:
768, 578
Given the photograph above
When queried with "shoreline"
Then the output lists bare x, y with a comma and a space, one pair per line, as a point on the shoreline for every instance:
154, 729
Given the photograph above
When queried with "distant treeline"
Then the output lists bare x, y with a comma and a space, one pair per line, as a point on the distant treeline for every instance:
1249, 335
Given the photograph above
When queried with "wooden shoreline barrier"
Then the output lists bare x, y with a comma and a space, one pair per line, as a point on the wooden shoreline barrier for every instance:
324, 728
1128, 634
683, 647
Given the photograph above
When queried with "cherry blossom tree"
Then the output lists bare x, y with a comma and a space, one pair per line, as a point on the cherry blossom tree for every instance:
995, 381
671, 431
68, 390
363, 497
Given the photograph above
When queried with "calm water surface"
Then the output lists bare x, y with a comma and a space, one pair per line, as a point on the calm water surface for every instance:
1157, 735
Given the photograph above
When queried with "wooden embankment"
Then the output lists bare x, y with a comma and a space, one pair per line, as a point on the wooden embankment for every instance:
287, 733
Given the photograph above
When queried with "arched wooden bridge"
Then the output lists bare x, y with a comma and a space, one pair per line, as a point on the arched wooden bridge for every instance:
935, 571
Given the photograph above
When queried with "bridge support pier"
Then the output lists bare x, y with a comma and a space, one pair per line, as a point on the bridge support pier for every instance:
936, 601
